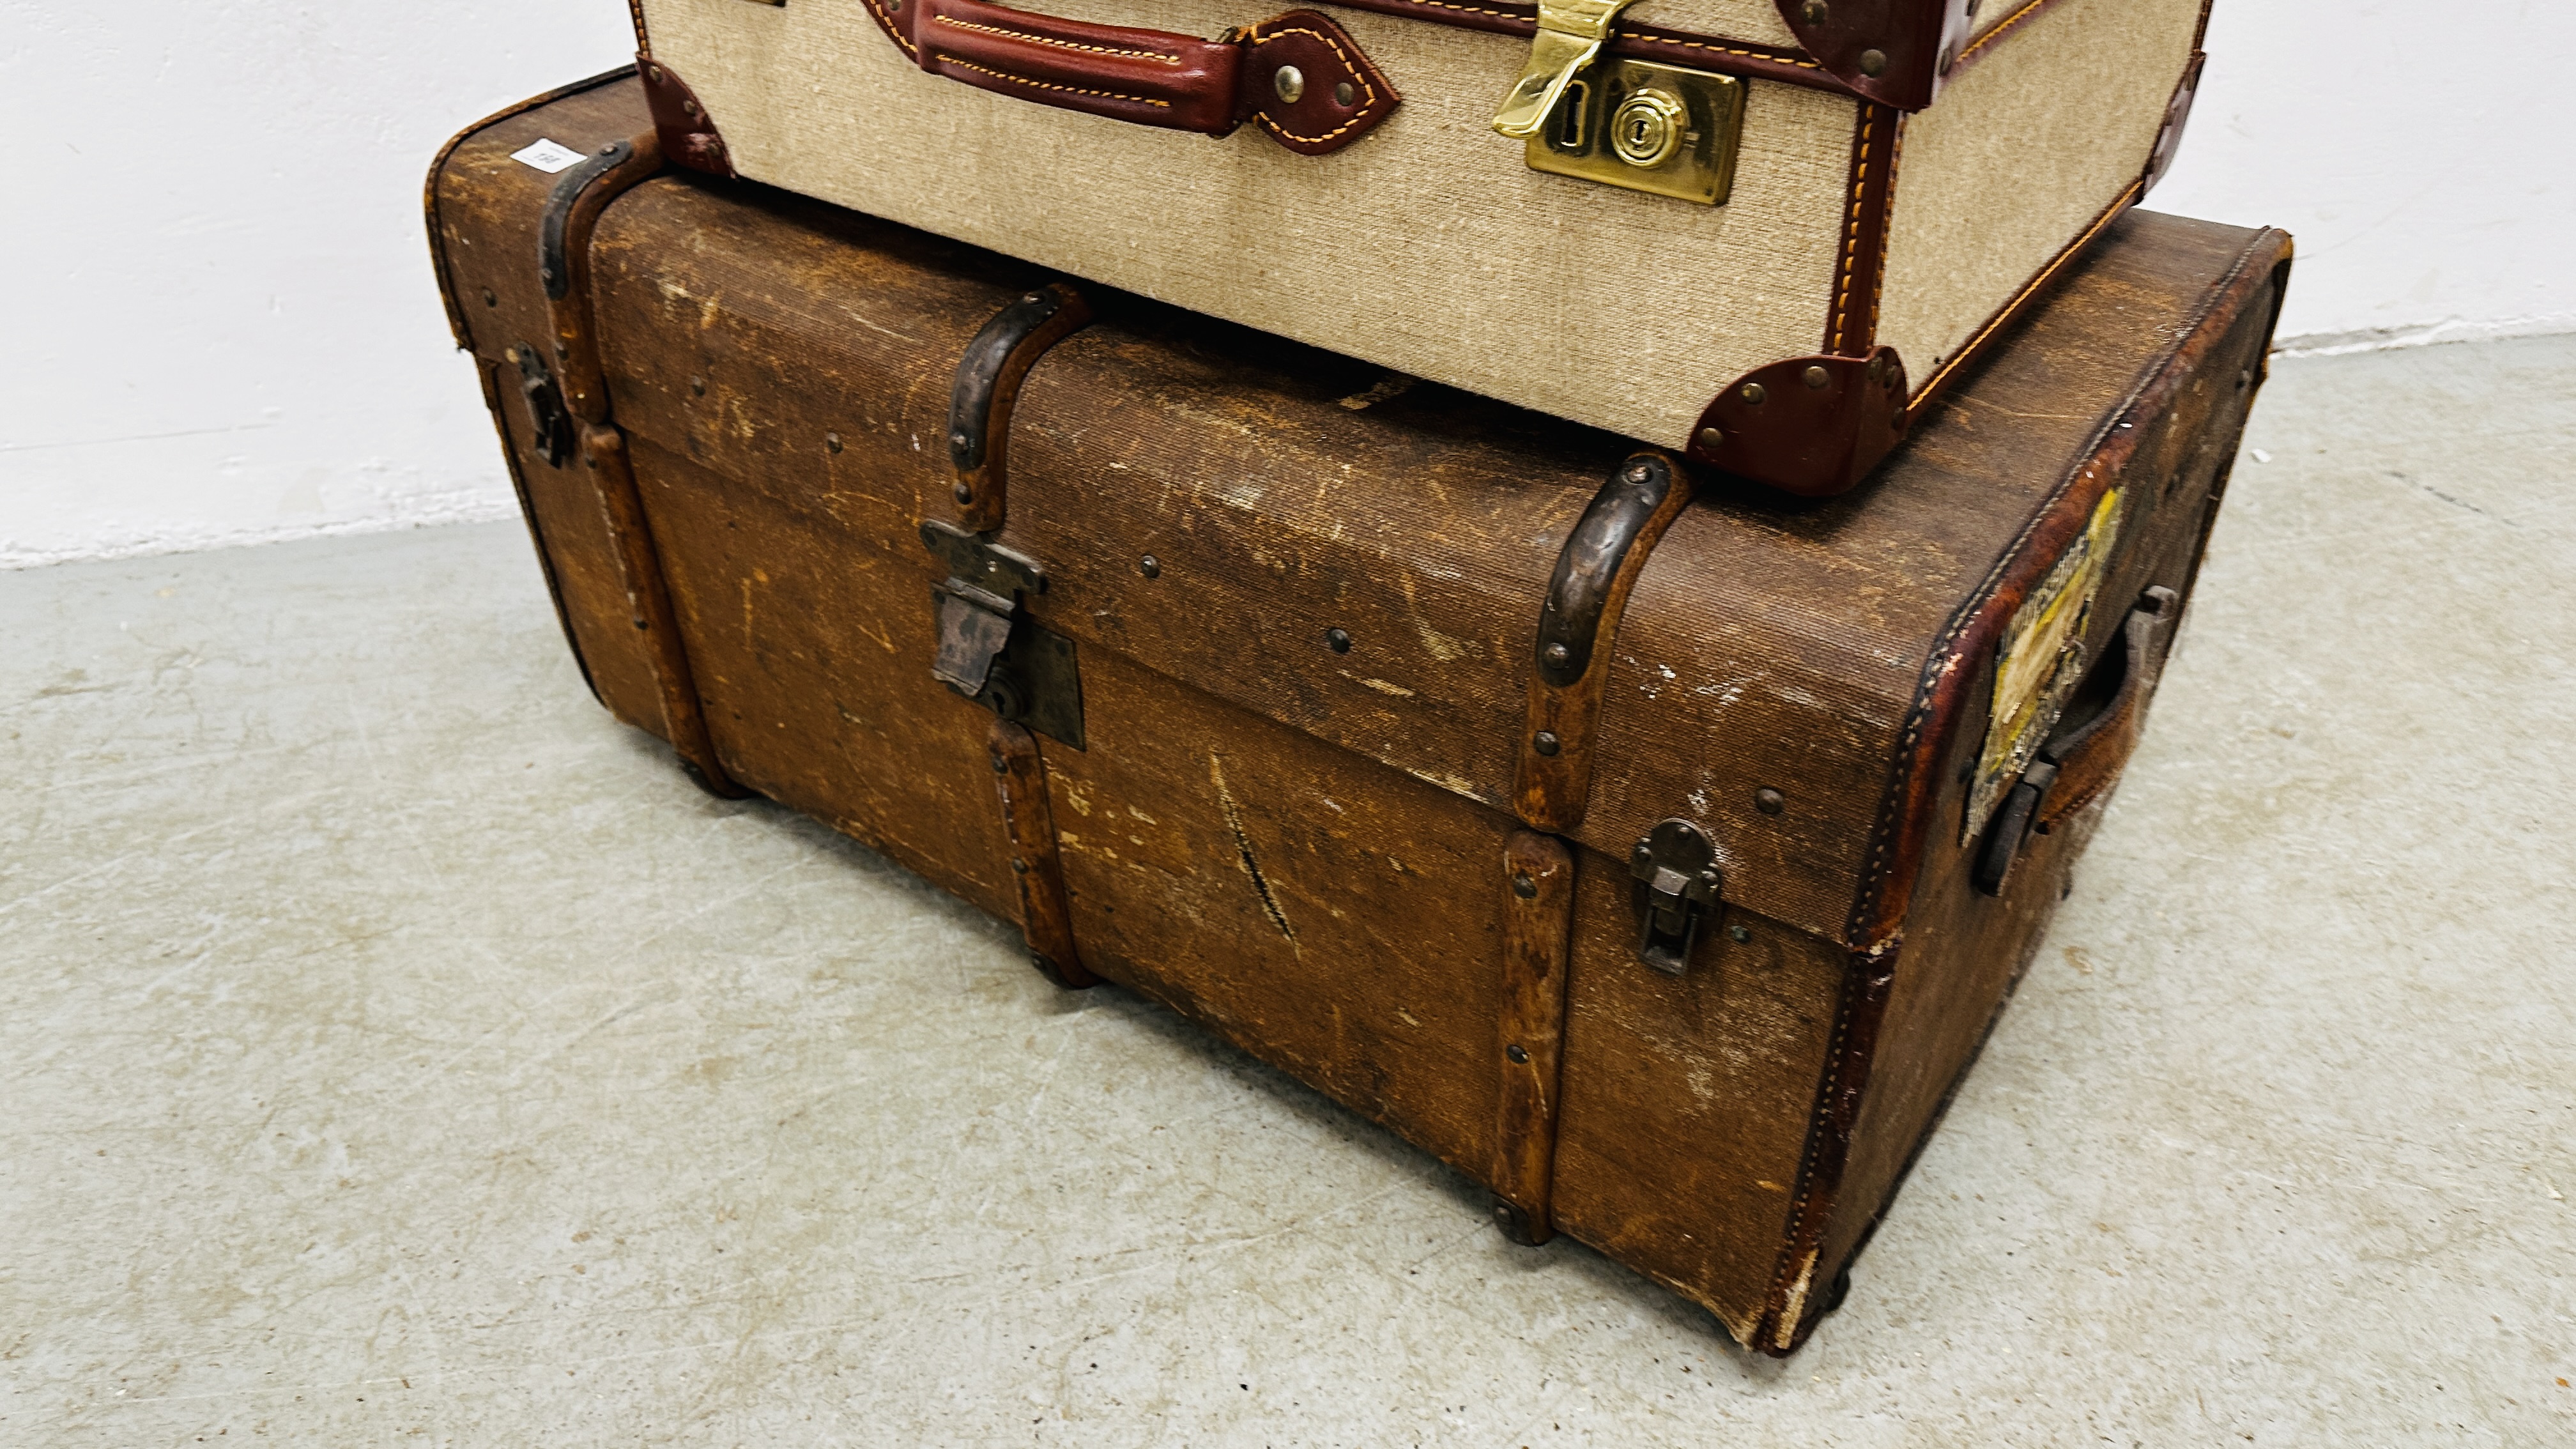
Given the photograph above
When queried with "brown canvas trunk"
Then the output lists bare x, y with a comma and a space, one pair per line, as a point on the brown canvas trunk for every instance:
1660, 860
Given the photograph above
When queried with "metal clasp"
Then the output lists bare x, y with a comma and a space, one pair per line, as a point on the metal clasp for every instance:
1678, 889
1570, 34
989, 649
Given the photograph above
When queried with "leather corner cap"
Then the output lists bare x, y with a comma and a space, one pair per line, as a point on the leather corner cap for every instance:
687, 132
1889, 51
1307, 83
1813, 426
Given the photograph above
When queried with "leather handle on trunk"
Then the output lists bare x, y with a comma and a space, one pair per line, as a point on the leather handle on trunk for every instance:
1299, 76
2087, 752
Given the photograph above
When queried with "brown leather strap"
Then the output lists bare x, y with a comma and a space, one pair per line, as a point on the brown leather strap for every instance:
987, 384
1538, 918
1604, 552
1299, 76
2091, 756
2086, 754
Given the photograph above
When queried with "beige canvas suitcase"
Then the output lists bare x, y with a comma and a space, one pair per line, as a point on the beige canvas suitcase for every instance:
1763, 234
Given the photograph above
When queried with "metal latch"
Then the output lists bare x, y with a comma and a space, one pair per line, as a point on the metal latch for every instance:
989, 649
1644, 127
1677, 891
549, 421
1570, 34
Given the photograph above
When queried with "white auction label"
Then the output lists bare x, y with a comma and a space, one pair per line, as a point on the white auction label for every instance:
548, 156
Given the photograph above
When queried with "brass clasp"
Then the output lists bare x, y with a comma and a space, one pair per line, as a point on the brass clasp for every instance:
1570, 34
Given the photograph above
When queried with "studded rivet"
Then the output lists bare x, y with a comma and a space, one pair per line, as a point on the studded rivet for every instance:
1518, 1053
1712, 439
1289, 82
963, 494
489, 300
1769, 801
1001, 766
1639, 473
1739, 934
1343, 95
1557, 654
1150, 566
958, 439
1546, 743
1019, 867
1523, 886
1338, 640
1754, 394
1873, 62
1816, 376
832, 441
697, 387
1815, 12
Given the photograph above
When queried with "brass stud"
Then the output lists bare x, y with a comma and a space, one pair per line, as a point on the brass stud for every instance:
1873, 62
1518, 1053
1815, 12
1558, 653
1710, 439
1817, 377
1150, 566
1343, 95
656, 73
832, 441
1639, 473
1523, 886
1754, 394
1546, 743
1289, 82
1769, 801
1338, 640
689, 106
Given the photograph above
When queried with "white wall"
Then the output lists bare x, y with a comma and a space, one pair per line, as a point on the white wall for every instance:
222, 326
2416, 149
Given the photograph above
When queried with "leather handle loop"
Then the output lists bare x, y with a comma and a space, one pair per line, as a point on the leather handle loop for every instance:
2091, 746
1299, 77
2090, 754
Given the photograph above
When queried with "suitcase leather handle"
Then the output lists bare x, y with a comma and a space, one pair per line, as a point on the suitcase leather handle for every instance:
1299, 76
2086, 754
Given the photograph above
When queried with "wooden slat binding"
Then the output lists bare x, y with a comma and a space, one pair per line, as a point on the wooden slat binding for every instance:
1538, 919
1028, 818
648, 604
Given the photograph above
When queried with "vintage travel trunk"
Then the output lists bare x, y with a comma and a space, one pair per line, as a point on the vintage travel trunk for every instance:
1653, 852
1761, 233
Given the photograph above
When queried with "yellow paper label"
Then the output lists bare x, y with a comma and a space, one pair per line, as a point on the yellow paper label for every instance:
2039, 661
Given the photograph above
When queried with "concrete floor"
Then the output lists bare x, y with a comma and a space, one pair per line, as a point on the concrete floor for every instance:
394, 1050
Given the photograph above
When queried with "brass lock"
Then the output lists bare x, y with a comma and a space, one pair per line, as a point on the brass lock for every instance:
1647, 128
1653, 128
